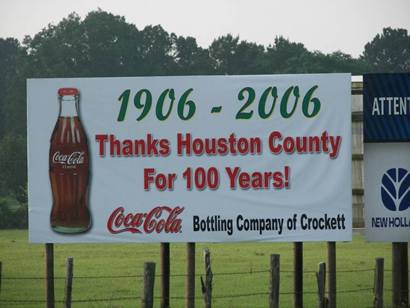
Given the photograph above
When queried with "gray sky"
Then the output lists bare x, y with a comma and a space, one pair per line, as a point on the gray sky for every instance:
325, 25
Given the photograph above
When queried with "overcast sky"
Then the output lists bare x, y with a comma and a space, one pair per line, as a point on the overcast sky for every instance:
325, 25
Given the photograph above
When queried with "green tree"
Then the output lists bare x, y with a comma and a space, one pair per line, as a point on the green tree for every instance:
287, 57
157, 52
9, 52
13, 165
389, 51
250, 58
190, 58
223, 52
233, 57
336, 62
101, 45
114, 47
58, 50
5, 215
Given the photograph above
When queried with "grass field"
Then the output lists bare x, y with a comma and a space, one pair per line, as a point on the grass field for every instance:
355, 261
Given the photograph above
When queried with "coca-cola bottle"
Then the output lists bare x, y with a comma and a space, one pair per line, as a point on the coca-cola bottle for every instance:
69, 168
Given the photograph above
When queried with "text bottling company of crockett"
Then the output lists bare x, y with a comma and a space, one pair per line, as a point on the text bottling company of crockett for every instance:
216, 223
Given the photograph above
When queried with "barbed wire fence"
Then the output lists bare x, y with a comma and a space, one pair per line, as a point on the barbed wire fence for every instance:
365, 290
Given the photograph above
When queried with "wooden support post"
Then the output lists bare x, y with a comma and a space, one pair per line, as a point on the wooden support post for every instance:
50, 275
207, 285
190, 276
321, 285
147, 300
404, 274
298, 274
274, 281
331, 279
400, 278
165, 275
396, 274
378, 283
68, 283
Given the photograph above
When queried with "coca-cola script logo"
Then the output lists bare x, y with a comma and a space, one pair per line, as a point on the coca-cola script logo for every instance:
159, 219
75, 158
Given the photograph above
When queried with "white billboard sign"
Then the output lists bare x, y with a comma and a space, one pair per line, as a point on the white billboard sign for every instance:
190, 159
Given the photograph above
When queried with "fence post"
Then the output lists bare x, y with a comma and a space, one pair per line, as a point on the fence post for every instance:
404, 274
298, 274
68, 283
378, 283
321, 285
331, 280
190, 277
165, 271
396, 274
274, 281
50, 275
0, 275
147, 300
400, 278
207, 285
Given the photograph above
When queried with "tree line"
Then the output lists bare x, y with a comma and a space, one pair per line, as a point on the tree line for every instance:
105, 45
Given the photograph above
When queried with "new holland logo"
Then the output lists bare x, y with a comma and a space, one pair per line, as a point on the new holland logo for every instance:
395, 189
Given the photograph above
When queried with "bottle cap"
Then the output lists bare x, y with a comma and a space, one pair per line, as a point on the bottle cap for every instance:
68, 91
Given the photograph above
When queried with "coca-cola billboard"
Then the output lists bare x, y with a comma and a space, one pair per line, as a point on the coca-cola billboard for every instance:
185, 159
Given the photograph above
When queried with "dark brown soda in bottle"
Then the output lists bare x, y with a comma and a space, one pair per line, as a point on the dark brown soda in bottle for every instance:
69, 168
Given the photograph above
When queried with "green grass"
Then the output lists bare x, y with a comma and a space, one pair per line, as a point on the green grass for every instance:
21, 259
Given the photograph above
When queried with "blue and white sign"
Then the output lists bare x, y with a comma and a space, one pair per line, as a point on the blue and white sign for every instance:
386, 109
387, 191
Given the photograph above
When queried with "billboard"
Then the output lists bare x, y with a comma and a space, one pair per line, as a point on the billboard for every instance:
386, 111
190, 158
